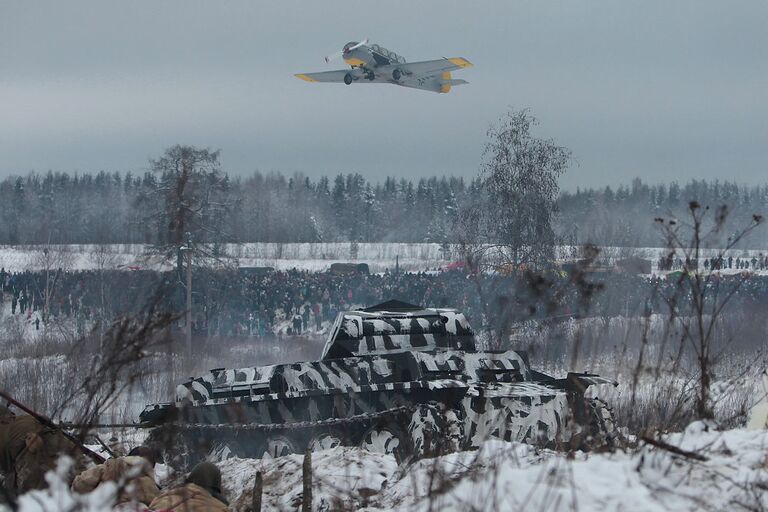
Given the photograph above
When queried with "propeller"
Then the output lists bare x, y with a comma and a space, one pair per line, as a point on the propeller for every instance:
336, 55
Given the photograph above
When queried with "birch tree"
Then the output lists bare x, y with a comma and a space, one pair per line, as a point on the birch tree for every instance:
511, 226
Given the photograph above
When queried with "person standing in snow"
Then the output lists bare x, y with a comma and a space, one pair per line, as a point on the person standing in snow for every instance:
305, 316
297, 321
201, 492
318, 318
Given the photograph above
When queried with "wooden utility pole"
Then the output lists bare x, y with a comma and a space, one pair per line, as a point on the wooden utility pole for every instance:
47, 283
188, 315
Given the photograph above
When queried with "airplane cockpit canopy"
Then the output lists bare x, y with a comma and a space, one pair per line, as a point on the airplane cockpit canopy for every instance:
389, 55
348, 46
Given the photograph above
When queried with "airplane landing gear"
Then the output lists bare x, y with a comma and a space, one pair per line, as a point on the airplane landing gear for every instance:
347, 79
370, 76
396, 75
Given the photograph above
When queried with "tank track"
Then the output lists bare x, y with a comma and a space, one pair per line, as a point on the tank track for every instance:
381, 431
292, 425
407, 432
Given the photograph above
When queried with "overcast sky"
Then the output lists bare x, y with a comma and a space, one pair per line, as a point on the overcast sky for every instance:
661, 90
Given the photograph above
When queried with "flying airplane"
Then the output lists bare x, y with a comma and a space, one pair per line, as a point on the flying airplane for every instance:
375, 64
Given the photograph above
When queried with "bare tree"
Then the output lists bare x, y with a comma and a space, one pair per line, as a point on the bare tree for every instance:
512, 226
702, 297
510, 229
104, 259
53, 260
190, 198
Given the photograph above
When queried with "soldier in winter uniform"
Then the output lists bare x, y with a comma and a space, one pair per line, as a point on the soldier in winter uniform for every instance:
134, 474
201, 492
28, 450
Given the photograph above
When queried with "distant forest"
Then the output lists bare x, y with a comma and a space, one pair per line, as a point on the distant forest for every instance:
123, 208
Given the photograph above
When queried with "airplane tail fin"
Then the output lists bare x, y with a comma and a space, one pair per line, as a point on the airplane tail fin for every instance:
446, 82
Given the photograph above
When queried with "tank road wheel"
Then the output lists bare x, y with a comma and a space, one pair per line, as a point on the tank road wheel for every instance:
324, 442
279, 446
424, 429
348, 79
397, 75
180, 449
383, 439
223, 451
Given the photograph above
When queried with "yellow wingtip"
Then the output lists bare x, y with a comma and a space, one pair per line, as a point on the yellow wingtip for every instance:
446, 87
305, 77
461, 62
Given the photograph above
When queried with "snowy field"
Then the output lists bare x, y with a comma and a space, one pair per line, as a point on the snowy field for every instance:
315, 257
511, 476
722, 465
728, 469
714, 471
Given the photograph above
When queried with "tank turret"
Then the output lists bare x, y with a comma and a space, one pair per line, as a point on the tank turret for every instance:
395, 326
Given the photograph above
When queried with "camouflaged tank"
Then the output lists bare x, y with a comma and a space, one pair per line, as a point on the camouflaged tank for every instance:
393, 378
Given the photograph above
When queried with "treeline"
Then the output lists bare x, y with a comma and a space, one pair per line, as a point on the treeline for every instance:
625, 216
123, 208
114, 208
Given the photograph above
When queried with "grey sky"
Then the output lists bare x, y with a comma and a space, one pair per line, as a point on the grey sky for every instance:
657, 89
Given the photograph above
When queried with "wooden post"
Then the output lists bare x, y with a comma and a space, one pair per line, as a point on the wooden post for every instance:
189, 297
306, 477
257, 488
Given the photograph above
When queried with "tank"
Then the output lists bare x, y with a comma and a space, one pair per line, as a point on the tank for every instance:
393, 378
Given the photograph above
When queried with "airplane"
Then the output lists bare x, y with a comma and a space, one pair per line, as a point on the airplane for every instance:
375, 64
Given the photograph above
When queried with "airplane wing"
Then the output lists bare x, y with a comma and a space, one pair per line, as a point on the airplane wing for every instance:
428, 75
325, 76
415, 70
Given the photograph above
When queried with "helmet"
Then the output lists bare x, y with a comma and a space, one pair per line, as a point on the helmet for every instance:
207, 476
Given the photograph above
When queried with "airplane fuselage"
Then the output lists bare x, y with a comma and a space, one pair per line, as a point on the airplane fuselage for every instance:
369, 57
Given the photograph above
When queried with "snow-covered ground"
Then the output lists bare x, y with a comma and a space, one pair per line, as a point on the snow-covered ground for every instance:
728, 471
316, 257
499, 476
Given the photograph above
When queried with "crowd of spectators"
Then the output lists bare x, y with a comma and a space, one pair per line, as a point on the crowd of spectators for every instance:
754, 263
238, 303
225, 302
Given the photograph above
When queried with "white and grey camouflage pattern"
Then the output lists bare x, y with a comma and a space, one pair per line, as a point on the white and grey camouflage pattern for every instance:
418, 360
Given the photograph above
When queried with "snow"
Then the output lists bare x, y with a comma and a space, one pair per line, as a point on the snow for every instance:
515, 476
314, 257
758, 414
498, 476
343, 476
58, 496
